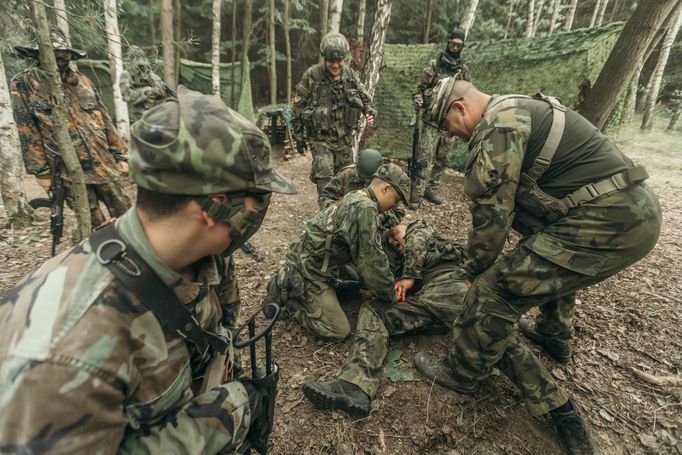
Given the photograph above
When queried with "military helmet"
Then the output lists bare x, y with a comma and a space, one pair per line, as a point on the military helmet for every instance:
439, 99
334, 46
393, 174
369, 161
196, 145
457, 32
59, 43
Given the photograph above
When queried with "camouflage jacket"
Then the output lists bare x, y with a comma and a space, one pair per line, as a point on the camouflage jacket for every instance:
142, 90
327, 110
347, 180
356, 238
427, 250
86, 368
435, 70
92, 132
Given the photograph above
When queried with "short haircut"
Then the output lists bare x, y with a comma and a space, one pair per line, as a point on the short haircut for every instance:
160, 205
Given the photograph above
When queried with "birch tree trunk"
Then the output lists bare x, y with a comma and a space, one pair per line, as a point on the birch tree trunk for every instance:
555, 16
538, 15
233, 56
17, 210
427, 21
627, 54
116, 68
595, 13
63, 23
177, 34
570, 16
215, 49
602, 10
72, 164
657, 76
614, 10
362, 12
469, 16
273, 54
167, 42
287, 46
531, 18
246, 37
376, 54
324, 20
510, 16
335, 15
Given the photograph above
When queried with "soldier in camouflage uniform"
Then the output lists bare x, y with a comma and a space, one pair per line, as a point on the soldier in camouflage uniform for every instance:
327, 105
582, 206
85, 365
100, 149
430, 296
434, 146
347, 233
356, 177
141, 88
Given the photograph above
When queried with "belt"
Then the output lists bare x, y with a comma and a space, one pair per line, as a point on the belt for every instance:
614, 183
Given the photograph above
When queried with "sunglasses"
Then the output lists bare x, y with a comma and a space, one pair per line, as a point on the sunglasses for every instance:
441, 125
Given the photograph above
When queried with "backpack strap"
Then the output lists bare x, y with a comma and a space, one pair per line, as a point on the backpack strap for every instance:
556, 131
331, 224
131, 271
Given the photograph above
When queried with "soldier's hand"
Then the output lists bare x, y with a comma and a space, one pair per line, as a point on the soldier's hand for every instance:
401, 288
122, 167
45, 183
418, 103
301, 147
370, 119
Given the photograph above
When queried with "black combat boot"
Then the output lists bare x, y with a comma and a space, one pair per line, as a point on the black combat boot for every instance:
559, 351
439, 371
433, 198
413, 206
572, 430
338, 394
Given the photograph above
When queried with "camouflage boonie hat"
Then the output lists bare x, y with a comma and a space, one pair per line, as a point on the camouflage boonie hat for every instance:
196, 145
393, 174
59, 43
439, 99
369, 161
334, 46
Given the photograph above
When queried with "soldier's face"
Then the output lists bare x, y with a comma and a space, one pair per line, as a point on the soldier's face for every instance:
457, 121
334, 66
397, 237
455, 45
388, 198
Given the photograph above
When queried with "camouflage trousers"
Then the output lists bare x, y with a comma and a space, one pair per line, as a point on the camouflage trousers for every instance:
434, 149
110, 193
591, 243
433, 309
328, 159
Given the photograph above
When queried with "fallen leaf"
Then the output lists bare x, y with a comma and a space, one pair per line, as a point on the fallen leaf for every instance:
611, 355
559, 374
605, 415
392, 371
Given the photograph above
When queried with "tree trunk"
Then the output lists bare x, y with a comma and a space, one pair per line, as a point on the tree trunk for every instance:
555, 16
152, 24
246, 37
615, 9
626, 56
470, 16
531, 17
570, 16
116, 68
335, 16
538, 15
677, 110
595, 13
287, 46
362, 12
48, 63
177, 8
273, 53
215, 49
427, 21
168, 42
62, 19
233, 56
376, 54
510, 16
657, 76
602, 10
17, 210
324, 20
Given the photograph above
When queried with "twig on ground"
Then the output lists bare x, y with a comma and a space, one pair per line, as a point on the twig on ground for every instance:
674, 381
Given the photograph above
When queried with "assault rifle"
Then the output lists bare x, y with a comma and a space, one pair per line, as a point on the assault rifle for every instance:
251, 250
56, 200
414, 165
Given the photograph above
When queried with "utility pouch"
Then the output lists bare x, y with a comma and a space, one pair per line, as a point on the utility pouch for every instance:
320, 119
540, 204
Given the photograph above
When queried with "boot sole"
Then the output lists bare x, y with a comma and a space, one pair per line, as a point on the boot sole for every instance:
539, 340
324, 401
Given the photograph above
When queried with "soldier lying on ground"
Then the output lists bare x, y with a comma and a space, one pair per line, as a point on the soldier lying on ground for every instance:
89, 366
345, 233
430, 296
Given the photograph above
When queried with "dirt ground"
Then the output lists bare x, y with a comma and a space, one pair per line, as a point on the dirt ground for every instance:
628, 338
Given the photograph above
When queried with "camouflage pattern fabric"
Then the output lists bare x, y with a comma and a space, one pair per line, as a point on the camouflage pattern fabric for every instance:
114, 379
141, 88
111, 194
431, 307
590, 243
327, 161
353, 232
347, 180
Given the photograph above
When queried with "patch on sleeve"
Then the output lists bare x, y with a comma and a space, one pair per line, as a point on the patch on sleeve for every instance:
377, 238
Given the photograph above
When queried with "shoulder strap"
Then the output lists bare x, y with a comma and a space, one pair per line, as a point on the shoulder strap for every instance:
556, 131
329, 235
135, 275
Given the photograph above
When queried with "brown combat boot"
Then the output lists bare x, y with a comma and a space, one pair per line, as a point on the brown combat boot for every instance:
558, 350
438, 370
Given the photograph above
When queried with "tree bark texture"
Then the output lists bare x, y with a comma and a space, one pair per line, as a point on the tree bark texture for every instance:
168, 42
246, 38
273, 52
62, 19
595, 13
427, 21
362, 12
470, 16
531, 18
538, 15
555, 16
17, 210
657, 76
674, 118
233, 55
177, 34
324, 20
510, 17
602, 10
625, 58
215, 49
48, 64
570, 16
116, 68
287, 46
335, 15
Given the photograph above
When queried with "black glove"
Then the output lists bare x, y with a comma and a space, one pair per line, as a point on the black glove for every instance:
301, 146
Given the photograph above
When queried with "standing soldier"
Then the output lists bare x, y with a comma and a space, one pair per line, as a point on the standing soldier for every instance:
103, 348
101, 151
141, 88
434, 147
327, 106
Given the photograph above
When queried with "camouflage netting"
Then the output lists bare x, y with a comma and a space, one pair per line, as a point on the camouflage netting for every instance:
194, 75
555, 65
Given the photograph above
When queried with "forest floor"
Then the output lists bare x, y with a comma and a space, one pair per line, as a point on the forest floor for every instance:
628, 338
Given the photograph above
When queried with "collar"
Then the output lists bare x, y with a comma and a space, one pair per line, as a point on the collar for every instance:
370, 193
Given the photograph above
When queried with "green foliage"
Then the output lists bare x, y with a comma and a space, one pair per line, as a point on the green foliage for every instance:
393, 372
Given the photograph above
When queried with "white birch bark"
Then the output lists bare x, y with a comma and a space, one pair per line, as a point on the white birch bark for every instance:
62, 20
167, 42
470, 16
335, 15
116, 68
570, 16
215, 49
510, 16
602, 10
595, 13
531, 18
287, 46
555, 16
273, 52
538, 15
362, 12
